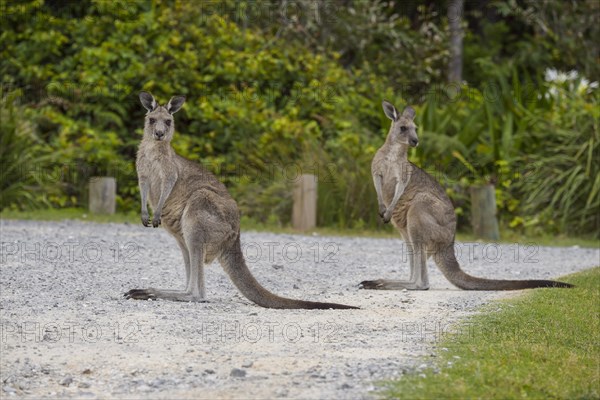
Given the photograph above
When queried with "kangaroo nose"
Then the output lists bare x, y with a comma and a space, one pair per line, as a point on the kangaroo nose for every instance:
414, 142
159, 135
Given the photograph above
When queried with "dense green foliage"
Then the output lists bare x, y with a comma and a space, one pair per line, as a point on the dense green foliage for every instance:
280, 88
19, 147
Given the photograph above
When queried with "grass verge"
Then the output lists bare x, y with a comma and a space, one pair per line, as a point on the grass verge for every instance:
541, 345
247, 224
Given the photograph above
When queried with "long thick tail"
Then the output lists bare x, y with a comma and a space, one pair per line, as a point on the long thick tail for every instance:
234, 264
446, 261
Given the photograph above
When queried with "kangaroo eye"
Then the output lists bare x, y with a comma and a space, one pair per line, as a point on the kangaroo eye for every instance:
168, 122
403, 129
152, 121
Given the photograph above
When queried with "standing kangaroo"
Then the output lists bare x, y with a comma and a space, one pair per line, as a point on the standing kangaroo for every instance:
419, 208
194, 207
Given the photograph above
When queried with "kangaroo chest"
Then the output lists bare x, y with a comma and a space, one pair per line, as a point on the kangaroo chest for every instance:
396, 174
157, 167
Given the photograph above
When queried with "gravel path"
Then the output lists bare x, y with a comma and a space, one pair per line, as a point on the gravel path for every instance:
68, 333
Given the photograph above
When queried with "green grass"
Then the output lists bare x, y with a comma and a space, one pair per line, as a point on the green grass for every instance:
543, 344
508, 236
247, 224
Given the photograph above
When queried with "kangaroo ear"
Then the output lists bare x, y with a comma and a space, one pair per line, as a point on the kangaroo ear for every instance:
390, 111
148, 101
409, 112
175, 104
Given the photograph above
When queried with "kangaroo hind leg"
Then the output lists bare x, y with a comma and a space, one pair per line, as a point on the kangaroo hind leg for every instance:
194, 291
416, 242
418, 273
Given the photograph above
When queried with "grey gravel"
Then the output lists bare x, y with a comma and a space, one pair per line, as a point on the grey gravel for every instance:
237, 373
66, 381
9, 389
64, 317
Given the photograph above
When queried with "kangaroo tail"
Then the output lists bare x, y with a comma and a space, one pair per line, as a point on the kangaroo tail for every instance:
234, 264
446, 261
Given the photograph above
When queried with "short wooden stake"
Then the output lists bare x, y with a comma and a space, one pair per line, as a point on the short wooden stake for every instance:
103, 192
483, 212
304, 214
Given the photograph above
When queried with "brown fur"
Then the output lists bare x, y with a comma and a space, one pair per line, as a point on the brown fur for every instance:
419, 208
196, 209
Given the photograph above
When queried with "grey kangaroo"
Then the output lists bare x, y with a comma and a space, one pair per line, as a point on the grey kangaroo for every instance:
194, 207
419, 208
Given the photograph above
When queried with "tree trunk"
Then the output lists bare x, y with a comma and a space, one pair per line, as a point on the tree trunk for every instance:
455, 19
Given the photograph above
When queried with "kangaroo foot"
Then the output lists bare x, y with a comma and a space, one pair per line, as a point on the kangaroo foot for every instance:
154, 294
384, 284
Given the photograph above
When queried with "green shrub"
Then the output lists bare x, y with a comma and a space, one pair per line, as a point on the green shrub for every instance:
268, 98
23, 182
251, 106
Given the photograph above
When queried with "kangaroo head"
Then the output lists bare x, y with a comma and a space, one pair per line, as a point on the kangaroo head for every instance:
159, 123
403, 129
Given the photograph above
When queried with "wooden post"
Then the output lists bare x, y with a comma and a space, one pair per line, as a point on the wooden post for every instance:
103, 191
483, 212
304, 214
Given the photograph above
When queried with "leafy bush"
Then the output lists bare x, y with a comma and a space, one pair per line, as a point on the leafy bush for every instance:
562, 189
537, 143
22, 183
296, 88
252, 106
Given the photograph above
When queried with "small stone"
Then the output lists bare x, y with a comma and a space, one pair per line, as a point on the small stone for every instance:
295, 286
238, 373
9, 389
66, 381
189, 369
144, 388
247, 364
86, 371
277, 266
209, 371
157, 383
84, 385
346, 386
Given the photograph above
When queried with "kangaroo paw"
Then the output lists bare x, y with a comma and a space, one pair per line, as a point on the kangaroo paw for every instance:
377, 284
140, 294
383, 284
164, 294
